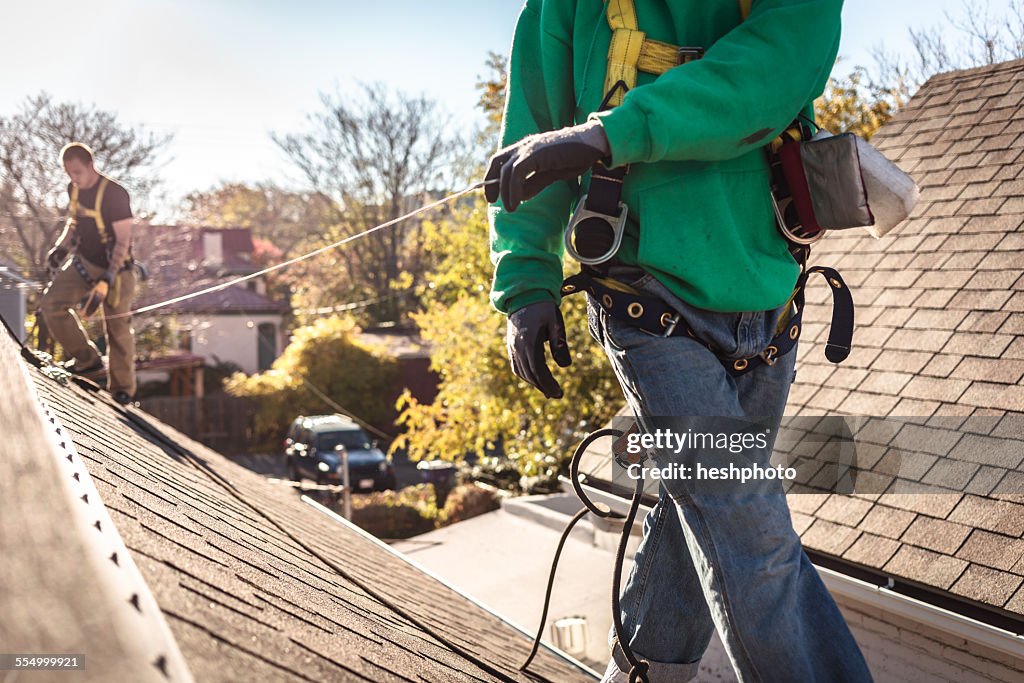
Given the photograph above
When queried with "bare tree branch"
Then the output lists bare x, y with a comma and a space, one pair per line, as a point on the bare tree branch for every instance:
373, 157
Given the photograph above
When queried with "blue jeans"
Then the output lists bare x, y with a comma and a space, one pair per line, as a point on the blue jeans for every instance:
727, 561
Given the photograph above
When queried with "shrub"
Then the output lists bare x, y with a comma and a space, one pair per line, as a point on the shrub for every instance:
465, 502
413, 510
355, 376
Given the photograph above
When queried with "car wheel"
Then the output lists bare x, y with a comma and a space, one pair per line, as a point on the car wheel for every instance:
293, 471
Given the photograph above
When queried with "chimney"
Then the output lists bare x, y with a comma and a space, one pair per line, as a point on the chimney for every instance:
213, 248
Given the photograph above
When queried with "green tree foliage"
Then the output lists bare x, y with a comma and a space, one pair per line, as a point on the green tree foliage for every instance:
481, 404
327, 357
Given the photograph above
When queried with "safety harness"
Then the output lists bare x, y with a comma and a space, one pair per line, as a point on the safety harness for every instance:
75, 209
595, 231
95, 213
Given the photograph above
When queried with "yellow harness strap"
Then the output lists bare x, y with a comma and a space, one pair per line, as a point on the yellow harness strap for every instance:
631, 50
95, 213
624, 50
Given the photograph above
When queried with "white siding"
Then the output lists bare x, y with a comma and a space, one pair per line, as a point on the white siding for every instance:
231, 338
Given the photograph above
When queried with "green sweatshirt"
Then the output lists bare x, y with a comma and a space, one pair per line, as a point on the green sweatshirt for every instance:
698, 180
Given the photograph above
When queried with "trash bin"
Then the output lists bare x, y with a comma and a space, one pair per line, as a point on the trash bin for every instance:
438, 473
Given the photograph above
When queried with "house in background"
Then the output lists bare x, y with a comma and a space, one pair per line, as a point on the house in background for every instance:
413, 357
240, 324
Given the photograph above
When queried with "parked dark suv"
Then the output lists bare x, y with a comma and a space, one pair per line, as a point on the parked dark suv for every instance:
311, 448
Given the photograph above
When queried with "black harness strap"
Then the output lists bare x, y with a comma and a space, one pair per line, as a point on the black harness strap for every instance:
653, 315
840, 334
605, 190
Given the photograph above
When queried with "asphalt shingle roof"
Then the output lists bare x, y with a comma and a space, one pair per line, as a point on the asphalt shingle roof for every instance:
254, 583
940, 332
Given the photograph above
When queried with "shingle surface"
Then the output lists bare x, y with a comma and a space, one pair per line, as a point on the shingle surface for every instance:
257, 585
940, 332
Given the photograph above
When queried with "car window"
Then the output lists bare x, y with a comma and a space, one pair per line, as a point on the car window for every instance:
351, 439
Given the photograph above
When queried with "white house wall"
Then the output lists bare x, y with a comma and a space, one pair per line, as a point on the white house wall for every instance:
231, 338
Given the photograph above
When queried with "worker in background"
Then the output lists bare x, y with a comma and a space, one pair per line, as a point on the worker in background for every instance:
100, 274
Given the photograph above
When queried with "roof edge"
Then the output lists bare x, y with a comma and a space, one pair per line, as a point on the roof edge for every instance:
146, 647
970, 71
989, 615
883, 598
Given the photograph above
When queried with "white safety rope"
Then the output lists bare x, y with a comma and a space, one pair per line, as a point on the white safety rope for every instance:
303, 257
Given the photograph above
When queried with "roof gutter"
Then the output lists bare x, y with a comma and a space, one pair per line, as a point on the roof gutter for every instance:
870, 594
951, 623
420, 568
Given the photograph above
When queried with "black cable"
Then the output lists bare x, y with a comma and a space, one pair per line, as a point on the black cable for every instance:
551, 582
638, 667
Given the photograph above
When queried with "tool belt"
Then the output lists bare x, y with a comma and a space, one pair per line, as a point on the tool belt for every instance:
76, 262
114, 295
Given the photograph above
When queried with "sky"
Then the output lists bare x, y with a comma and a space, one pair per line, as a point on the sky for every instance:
221, 75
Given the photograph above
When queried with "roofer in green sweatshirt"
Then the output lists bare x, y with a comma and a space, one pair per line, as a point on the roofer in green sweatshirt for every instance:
647, 124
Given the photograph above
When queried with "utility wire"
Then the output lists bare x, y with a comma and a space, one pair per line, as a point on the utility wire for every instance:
303, 257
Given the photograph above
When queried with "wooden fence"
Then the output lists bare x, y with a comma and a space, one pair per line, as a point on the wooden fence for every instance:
222, 422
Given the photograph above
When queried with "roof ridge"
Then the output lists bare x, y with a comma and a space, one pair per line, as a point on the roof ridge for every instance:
953, 74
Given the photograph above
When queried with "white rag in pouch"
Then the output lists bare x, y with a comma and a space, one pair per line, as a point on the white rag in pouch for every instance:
892, 194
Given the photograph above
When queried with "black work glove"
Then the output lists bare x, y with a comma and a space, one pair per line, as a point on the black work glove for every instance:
536, 161
55, 259
528, 329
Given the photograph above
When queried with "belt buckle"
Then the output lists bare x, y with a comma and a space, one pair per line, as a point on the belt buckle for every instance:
688, 54
769, 355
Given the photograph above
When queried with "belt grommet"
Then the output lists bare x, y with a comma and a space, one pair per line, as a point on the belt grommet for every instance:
835, 283
666, 319
568, 289
794, 332
740, 364
635, 310
606, 301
